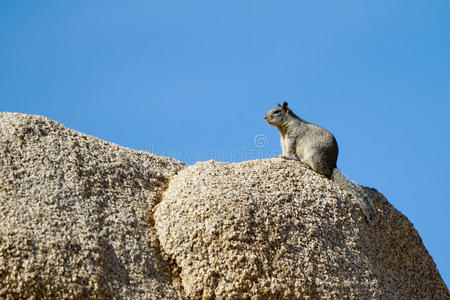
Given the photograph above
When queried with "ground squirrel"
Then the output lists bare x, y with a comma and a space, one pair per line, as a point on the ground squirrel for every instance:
317, 148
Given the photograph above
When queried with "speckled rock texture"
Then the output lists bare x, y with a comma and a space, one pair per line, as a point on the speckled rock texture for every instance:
74, 215
273, 229
81, 218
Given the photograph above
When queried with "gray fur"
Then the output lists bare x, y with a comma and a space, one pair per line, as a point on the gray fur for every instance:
317, 148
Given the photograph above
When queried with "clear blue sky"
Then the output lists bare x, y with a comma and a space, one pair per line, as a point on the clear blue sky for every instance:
193, 79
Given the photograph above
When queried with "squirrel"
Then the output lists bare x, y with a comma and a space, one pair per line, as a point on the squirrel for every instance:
317, 148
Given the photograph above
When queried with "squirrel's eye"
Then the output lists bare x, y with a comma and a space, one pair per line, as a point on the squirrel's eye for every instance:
276, 112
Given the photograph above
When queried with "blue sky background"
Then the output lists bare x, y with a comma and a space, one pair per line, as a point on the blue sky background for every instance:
193, 79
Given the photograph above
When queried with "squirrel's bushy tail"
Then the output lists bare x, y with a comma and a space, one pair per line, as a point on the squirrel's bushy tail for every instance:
359, 192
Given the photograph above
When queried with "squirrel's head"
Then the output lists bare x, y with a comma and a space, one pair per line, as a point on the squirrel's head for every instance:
278, 115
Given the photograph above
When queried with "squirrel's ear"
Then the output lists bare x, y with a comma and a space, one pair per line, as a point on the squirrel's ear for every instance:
279, 105
285, 105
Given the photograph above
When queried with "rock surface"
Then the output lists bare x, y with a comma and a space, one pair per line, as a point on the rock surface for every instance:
275, 229
79, 218
74, 215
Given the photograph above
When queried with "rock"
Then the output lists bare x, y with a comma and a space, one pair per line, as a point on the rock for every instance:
83, 218
274, 229
74, 215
